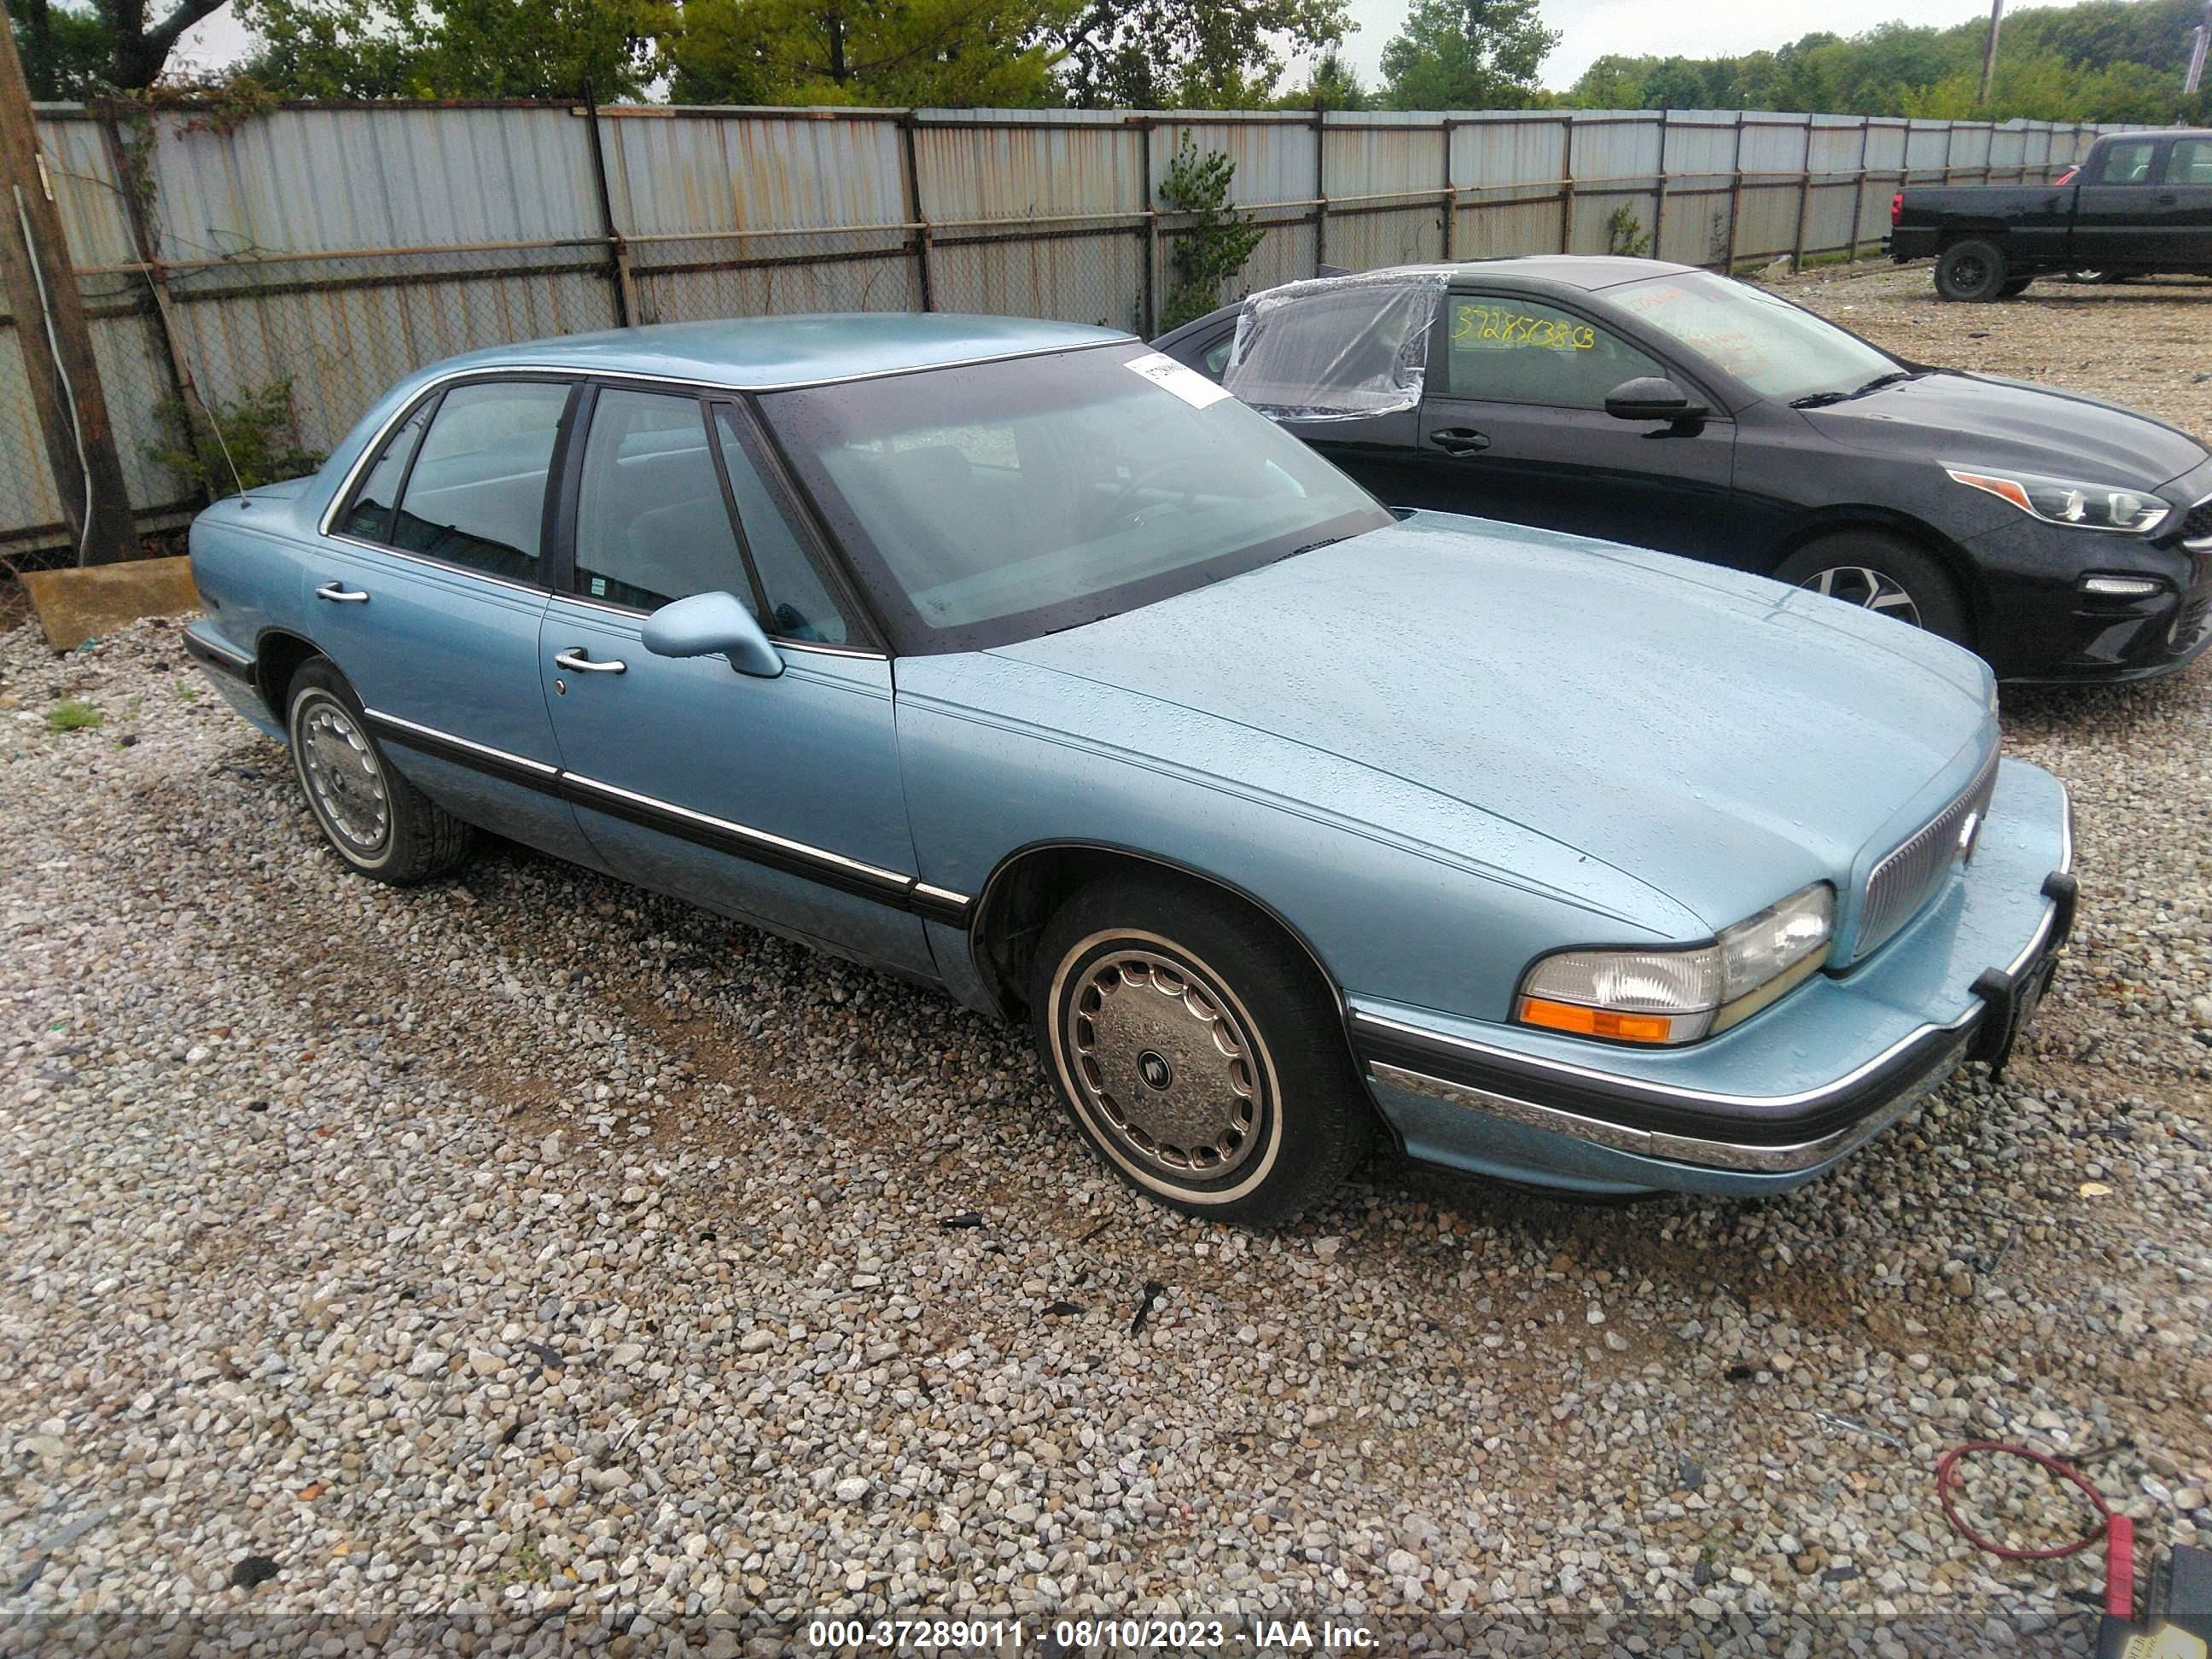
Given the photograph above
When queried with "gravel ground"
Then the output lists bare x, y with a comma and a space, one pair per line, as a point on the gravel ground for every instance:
526, 1260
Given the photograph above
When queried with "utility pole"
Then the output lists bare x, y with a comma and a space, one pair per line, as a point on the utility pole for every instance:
1990, 51
2200, 37
42, 296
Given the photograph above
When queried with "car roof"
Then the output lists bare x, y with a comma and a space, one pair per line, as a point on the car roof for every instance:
2158, 132
763, 353
1587, 272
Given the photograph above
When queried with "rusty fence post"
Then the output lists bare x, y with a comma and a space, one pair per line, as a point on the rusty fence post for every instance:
1804, 201
1321, 188
1567, 184
1735, 200
1151, 231
925, 278
1449, 199
624, 285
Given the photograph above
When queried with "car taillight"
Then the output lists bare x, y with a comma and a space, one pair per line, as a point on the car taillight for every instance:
1896, 208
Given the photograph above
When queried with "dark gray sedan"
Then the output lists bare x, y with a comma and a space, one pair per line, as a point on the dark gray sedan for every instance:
2062, 537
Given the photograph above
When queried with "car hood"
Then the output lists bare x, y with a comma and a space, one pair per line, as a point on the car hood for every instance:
1980, 420
1716, 737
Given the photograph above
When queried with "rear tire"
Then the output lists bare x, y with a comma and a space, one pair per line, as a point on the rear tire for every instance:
1970, 270
379, 824
1201, 1057
1882, 572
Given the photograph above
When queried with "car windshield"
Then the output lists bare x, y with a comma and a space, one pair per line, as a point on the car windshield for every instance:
995, 501
1769, 345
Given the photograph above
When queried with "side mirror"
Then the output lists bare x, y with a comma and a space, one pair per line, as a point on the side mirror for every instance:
712, 625
1652, 398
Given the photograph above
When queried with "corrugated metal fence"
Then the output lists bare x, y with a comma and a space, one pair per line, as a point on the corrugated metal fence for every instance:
338, 247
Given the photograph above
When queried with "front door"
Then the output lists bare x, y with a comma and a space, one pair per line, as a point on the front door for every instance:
427, 595
775, 800
2184, 208
1514, 427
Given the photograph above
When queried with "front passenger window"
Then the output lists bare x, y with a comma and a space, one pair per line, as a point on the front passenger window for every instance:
1508, 350
651, 522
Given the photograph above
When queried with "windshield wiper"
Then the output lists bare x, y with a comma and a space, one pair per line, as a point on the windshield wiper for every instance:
1821, 399
1315, 547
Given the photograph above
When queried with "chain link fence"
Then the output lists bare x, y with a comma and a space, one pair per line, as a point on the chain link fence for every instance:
303, 259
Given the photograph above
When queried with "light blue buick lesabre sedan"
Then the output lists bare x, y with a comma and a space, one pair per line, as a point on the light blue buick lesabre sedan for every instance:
1012, 657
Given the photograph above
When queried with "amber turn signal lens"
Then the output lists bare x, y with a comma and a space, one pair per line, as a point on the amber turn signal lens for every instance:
1596, 1021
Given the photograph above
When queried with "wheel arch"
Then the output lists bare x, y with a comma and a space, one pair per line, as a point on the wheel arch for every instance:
1842, 520
1029, 883
278, 654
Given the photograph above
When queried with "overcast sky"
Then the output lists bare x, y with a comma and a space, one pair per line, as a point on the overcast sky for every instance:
1591, 28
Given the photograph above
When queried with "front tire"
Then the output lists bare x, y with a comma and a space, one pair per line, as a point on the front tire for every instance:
374, 818
1883, 574
1201, 1057
1970, 270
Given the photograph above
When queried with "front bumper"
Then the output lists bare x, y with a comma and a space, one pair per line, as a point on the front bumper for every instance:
1777, 1099
2039, 628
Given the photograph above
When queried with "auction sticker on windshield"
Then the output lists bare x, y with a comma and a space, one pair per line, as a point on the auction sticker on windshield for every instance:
1188, 383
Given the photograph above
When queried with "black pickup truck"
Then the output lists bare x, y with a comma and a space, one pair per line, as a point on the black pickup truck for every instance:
2139, 203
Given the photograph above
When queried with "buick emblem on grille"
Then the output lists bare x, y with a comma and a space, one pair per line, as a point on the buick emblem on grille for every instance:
1969, 832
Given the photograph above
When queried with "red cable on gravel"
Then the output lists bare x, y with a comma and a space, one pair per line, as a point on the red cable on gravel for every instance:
2117, 1531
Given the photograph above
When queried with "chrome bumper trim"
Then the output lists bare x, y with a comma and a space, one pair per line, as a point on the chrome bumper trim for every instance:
1675, 1148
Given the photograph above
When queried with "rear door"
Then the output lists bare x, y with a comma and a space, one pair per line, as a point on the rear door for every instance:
2184, 202
428, 590
1514, 427
2117, 213
776, 800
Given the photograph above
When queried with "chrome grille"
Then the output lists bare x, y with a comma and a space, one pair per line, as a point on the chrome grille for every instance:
1908, 878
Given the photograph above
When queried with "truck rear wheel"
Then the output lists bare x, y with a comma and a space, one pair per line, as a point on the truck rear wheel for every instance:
1970, 270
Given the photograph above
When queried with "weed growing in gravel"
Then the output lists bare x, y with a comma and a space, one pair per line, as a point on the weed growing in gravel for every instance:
73, 716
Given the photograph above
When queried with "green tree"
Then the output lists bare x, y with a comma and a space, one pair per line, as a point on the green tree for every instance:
956, 52
1334, 84
456, 48
2107, 60
1190, 54
1466, 54
71, 51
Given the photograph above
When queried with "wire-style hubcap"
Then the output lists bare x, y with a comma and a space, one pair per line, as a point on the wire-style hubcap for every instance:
1869, 589
344, 779
1162, 1064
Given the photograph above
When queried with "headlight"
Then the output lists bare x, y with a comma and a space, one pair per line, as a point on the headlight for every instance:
2057, 500
1679, 996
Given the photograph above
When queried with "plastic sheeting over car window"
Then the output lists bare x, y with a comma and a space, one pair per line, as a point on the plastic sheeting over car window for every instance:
1338, 348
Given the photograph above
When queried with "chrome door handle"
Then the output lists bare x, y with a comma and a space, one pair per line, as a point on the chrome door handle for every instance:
337, 593
576, 662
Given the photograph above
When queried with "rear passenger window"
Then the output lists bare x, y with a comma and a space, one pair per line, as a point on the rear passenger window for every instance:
369, 516
476, 495
798, 604
651, 522
2126, 164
